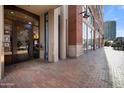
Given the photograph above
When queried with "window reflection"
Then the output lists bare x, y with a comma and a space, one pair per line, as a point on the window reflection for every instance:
23, 37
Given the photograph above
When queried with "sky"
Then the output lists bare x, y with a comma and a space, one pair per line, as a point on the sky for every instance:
115, 12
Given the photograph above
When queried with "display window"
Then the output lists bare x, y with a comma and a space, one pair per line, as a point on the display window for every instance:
87, 38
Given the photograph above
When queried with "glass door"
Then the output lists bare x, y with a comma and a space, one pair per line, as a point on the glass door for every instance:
22, 41
21, 36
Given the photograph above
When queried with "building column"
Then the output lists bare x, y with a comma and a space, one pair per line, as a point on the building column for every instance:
41, 35
53, 35
94, 40
1, 42
75, 47
63, 29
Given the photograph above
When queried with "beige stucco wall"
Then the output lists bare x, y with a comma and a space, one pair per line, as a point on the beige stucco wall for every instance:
67, 52
42, 36
55, 46
1, 42
75, 50
63, 31
53, 33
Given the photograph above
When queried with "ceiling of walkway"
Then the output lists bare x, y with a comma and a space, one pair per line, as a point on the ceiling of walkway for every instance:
37, 9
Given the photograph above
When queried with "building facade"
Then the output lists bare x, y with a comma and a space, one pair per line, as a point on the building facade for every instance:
50, 33
110, 30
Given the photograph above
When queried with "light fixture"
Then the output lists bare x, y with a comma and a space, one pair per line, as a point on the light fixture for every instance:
29, 23
86, 15
25, 16
12, 12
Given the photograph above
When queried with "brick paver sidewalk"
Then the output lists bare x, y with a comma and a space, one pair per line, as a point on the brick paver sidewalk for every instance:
100, 68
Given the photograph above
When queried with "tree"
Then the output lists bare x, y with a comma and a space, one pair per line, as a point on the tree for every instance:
118, 44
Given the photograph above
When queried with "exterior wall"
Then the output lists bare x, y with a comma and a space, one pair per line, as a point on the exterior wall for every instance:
53, 33
62, 11
63, 30
75, 50
1, 42
70, 32
74, 31
42, 36
53, 36
97, 11
88, 28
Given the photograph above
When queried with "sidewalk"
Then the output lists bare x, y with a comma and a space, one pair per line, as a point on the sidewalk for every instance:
94, 69
116, 67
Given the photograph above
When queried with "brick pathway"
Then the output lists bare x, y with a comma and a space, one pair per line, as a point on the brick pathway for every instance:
100, 68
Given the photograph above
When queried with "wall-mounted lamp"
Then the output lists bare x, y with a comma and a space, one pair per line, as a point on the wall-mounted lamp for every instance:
86, 15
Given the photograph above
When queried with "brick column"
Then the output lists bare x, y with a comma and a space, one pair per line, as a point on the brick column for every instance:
75, 31
1, 42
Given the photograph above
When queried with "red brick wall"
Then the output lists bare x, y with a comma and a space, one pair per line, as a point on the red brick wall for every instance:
72, 24
97, 20
79, 25
75, 25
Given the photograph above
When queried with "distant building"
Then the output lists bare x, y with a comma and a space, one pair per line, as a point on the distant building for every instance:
110, 30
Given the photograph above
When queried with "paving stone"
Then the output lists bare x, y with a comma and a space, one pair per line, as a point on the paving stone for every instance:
102, 68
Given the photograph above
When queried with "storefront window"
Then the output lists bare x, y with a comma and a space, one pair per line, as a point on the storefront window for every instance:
90, 39
23, 42
7, 36
35, 35
90, 19
97, 39
84, 36
88, 36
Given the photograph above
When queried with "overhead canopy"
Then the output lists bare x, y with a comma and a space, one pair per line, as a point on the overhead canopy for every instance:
37, 9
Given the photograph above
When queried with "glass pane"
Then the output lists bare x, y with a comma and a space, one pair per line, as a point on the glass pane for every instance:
7, 36
36, 41
84, 36
89, 39
23, 43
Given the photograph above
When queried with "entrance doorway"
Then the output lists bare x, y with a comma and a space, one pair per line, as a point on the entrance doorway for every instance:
18, 41
21, 40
